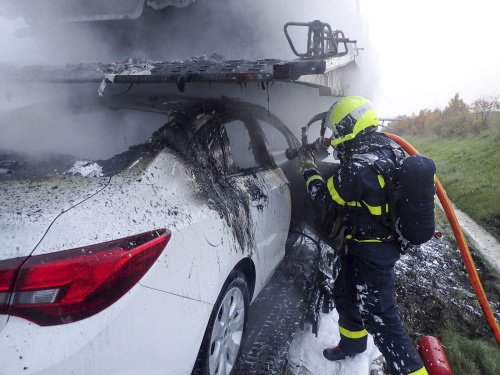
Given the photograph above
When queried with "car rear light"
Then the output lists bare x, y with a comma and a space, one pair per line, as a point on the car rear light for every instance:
71, 285
8, 271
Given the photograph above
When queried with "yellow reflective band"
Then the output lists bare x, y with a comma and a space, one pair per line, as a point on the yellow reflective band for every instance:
369, 118
348, 237
360, 112
337, 198
422, 371
354, 204
348, 137
381, 180
362, 124
312, 178
333, 192
371, 241
345, 106
376, 210
353, 334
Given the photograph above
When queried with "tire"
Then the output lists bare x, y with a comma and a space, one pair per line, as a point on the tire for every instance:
223, 340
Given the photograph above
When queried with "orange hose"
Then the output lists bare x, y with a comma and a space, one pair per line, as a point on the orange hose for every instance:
462, 244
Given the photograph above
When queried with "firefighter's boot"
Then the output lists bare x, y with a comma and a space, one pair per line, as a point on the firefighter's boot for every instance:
336, 354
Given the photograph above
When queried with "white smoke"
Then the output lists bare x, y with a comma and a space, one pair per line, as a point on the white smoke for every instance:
232, 28
235, 29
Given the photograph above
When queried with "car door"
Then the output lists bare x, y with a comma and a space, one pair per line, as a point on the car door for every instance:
250, 165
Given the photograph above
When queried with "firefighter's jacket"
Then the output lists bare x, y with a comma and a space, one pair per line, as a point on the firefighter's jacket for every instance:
360, 192
365, 294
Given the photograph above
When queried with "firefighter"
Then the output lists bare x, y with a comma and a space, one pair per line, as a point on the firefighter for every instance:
364, 290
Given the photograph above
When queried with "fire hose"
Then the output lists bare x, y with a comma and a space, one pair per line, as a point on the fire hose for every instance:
292, 153
462, 244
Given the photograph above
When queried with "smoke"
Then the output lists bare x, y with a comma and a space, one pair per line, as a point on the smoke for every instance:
234, 29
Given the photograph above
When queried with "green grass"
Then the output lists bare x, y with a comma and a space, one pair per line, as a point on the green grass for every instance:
469, 170
471, 357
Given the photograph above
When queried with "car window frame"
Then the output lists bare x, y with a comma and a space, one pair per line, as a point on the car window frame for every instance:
251, 118
258, 144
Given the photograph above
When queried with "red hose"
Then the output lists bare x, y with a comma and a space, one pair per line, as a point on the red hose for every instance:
462, 244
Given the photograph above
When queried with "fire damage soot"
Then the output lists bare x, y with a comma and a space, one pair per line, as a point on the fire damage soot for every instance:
182, 135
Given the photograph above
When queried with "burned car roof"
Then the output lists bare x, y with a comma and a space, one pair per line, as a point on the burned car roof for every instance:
204, 69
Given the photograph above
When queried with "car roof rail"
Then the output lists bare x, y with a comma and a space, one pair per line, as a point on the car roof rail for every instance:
322, 41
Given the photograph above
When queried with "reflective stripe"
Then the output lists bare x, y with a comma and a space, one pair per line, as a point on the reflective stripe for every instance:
376, 210
312, 178
353, 334
422, 371
368, 119
337, 198
346, 106
373, 240
359, 112
381, 180
333, 192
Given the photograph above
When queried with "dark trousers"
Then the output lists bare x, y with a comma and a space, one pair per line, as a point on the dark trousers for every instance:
364, 296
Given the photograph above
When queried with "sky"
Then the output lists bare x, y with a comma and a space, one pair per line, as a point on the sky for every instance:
428, 50
418, 53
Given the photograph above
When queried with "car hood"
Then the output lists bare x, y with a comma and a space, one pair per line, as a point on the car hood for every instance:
29, 207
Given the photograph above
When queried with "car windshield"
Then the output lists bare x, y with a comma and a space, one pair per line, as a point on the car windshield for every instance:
56, 138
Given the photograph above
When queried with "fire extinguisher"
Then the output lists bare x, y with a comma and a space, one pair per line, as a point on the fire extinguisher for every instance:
433, 355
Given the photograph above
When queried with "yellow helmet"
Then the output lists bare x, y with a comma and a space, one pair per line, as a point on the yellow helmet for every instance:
350, 116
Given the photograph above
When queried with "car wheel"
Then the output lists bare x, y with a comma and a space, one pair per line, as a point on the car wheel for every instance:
225, 331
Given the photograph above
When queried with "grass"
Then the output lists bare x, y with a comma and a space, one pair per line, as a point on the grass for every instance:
471, 357
467, 353
469, 170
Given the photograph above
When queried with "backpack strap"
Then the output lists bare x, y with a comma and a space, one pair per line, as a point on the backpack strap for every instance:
389, 193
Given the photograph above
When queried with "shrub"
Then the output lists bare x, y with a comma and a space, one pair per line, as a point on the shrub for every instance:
457, 120
458, 126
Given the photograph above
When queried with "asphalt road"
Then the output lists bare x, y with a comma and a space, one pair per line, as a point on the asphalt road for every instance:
275, 315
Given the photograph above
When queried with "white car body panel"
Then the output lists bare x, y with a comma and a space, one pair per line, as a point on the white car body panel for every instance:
196, 227
176, 296
138, 327
23, 225
268, 211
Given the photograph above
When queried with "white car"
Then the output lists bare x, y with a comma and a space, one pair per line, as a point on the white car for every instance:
142, 259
